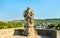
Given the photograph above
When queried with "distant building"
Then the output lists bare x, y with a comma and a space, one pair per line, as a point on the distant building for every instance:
42, 26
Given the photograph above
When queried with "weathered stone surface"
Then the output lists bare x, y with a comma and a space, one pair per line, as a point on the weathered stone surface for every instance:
58, 34
9, 33
6, 32
29, 27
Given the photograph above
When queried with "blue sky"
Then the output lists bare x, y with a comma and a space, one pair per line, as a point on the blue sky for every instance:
43, 9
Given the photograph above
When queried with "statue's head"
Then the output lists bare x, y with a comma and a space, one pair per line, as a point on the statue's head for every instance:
28, 8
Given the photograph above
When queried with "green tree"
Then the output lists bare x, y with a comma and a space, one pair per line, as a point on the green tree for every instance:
58, 26
52, 26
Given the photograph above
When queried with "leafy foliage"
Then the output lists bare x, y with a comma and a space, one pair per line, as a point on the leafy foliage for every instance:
58, 26
4, 25
52, 25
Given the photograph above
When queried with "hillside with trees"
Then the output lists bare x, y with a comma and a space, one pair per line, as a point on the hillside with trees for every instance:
20, 23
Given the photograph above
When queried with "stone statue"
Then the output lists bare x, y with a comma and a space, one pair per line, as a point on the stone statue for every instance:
28, 15
29, 27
